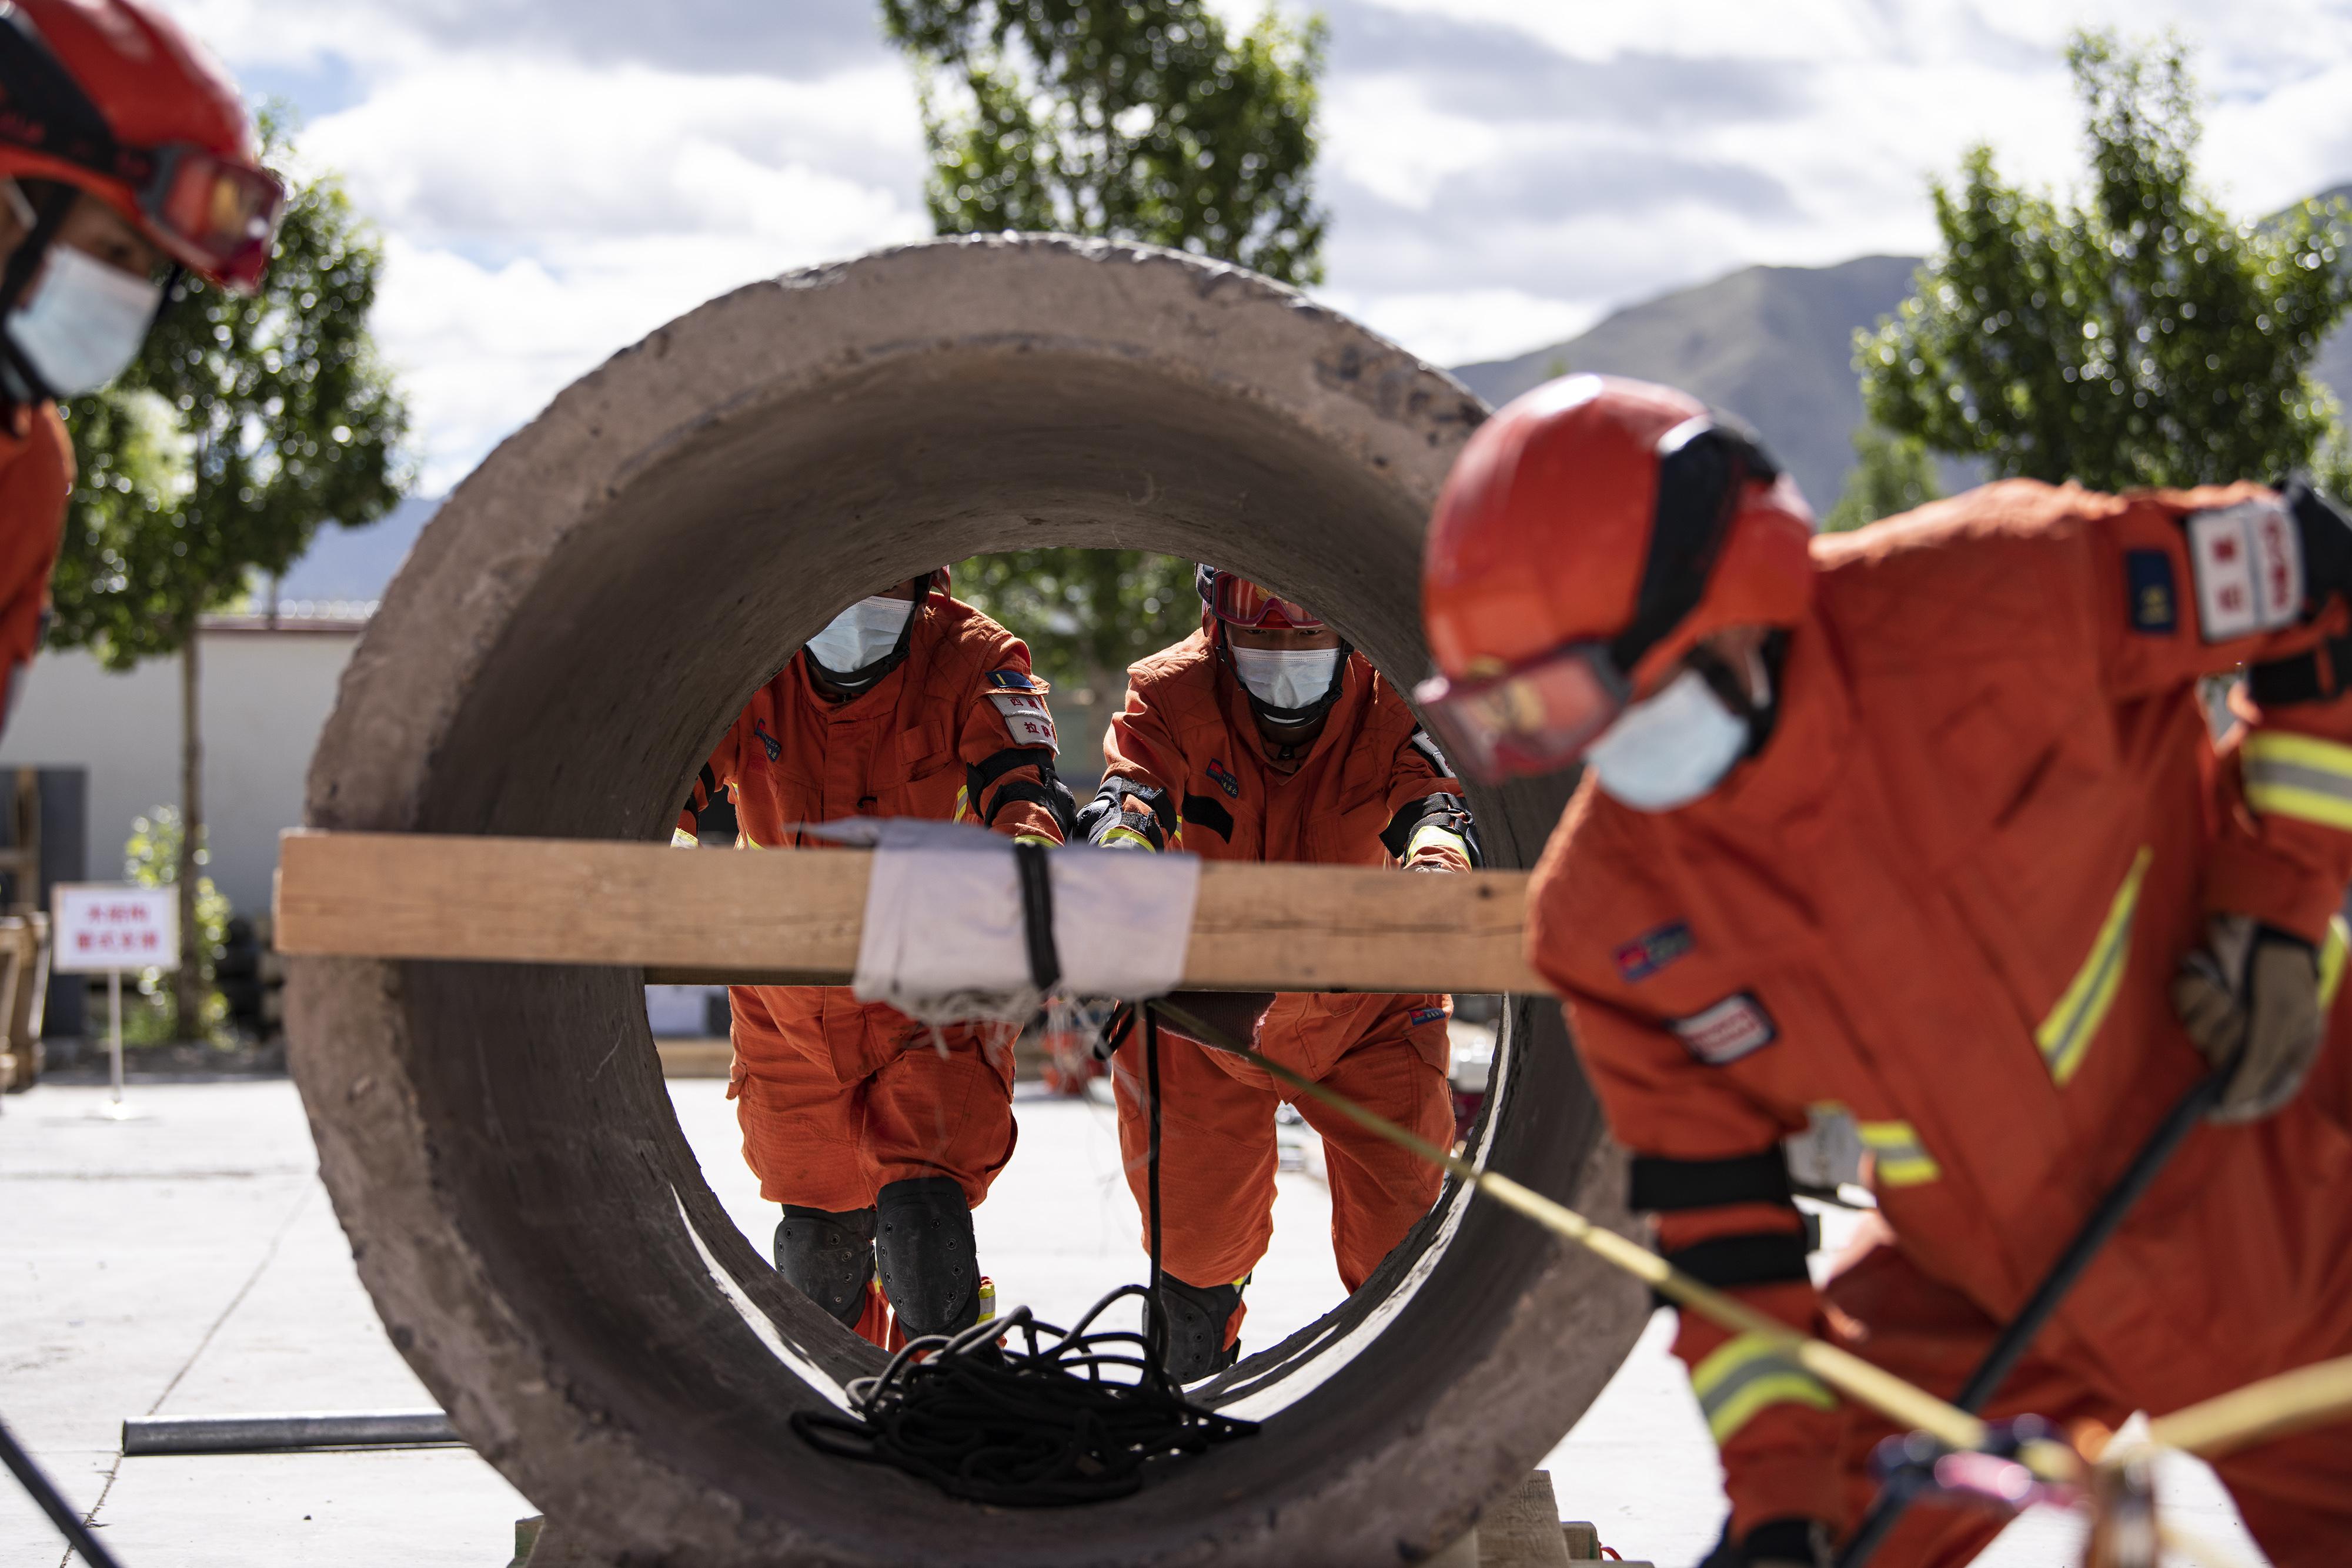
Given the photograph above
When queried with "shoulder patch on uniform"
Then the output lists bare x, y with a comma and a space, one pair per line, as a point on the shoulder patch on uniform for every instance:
2151, 603
2247, 560
1735, 1027
1027, 717
1224, 780
1651, 951
1017, 681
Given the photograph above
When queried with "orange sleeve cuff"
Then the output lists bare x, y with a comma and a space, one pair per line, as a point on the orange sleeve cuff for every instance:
2244, 877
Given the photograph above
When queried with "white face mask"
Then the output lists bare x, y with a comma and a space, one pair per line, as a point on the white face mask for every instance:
83, 322
1671, 748
863, 634
1286, 678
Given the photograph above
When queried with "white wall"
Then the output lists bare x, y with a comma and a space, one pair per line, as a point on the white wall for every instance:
266, 695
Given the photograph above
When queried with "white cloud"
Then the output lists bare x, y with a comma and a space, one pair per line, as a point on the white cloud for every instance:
1500, 172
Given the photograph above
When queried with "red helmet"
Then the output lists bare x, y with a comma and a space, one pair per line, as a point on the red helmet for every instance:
1590, 534
110, 96
1238, 601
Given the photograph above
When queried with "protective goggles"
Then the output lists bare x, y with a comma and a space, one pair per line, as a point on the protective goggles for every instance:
1535, 718
214, 214
1238, 601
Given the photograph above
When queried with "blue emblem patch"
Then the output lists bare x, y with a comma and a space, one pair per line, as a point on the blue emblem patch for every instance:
2152, 605
1012, 680
769, 743
1224, 780
1425, 1015
1647, 954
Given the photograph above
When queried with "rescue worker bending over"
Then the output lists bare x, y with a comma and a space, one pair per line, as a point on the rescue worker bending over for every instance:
1263, 736
125, 157
1924, 825
909, 703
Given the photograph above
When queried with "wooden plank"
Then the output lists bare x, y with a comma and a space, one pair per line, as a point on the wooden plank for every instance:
792, 916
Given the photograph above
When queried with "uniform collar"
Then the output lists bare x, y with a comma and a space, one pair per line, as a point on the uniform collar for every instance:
1355, 682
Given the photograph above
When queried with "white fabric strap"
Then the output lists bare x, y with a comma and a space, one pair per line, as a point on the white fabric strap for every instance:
944, 938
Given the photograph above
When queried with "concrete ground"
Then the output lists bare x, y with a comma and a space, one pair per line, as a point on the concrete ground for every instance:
187, 1263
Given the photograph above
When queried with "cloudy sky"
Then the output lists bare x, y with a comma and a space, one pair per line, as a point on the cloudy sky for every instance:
555, 178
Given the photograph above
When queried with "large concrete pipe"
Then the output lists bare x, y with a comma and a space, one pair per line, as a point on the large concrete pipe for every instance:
572, 633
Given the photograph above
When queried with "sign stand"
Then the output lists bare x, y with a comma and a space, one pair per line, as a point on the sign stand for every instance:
112, 927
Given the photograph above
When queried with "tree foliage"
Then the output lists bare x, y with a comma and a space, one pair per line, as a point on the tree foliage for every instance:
1140, 120
1892, 474
1085, 614
2139, 338
244, 426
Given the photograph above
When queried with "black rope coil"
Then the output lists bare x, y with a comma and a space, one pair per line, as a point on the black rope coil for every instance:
1074, 1418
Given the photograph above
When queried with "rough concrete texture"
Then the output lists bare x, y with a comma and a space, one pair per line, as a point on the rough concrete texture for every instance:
586, 614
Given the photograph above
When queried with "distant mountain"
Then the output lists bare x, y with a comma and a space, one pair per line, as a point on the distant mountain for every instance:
1771, 344
353, 566
1775, 346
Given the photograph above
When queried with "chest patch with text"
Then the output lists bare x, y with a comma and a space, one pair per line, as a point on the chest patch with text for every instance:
768, 743
1222, 777
1735, 1027
1651, 951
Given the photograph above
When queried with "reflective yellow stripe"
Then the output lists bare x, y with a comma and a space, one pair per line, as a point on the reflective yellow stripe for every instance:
1124, 837
1743, 1376
679, 839
962, 813
2075, 1022
1430, 833
1900, 1159
2298, 776
2331, 960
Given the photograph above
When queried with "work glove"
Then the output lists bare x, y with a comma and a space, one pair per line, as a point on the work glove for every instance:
2249, 999
1775, 1543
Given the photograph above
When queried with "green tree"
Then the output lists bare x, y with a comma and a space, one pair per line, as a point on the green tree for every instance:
1138, 119
1086, 614
1892, 474
1142, 119
2139, 338
246, 425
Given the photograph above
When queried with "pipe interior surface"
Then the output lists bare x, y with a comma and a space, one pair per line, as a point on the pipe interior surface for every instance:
585, 616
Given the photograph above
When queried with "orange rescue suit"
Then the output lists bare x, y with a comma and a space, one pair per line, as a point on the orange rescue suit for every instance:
36, 473
1185, 757
837, 1098
1947, 898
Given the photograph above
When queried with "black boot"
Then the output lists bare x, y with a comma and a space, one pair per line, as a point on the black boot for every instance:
929, 1262
827, 1257
1197, 1316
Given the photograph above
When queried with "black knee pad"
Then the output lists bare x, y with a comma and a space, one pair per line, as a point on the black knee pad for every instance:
1197, 1316
827, 1257
929, 1263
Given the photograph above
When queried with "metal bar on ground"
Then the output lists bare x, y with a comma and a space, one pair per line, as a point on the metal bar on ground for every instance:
285, 1434
794, 917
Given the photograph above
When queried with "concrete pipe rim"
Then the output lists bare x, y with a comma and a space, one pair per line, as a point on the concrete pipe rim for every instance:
570, 636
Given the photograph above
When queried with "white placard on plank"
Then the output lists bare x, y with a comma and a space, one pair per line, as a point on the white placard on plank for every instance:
101, 925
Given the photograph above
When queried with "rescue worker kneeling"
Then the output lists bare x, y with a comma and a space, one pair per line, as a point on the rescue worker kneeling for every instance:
877, 1137
1922, 826
1263, 736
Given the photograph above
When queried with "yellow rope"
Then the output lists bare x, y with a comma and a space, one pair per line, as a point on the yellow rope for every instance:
2308, 1396
1911, 1407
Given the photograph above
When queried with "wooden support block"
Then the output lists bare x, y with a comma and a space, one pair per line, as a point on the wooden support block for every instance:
695, 1058
794, 917
1523, 1532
